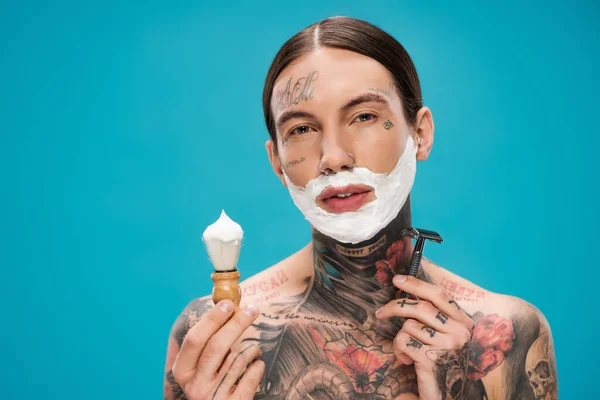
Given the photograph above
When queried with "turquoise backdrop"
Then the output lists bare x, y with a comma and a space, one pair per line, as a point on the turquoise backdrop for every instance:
127, 126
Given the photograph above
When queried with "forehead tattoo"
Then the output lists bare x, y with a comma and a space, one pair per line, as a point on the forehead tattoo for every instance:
301, 90
387, 92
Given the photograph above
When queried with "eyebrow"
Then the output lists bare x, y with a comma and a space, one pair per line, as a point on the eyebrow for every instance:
363, 98
291, 114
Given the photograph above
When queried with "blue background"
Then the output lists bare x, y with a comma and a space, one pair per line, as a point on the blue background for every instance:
125, 128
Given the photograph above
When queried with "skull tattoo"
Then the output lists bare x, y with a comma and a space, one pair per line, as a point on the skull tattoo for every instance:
454, 384
540, 369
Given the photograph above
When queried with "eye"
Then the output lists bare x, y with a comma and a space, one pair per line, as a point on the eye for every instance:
364, 117
301, 130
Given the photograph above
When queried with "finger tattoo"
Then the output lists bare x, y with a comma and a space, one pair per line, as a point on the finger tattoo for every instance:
406, 303
455, 303
414, 343
442, 317
429, 330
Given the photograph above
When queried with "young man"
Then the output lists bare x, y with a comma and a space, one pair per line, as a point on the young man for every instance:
343, 107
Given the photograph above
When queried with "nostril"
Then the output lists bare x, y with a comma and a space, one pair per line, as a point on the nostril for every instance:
334, 165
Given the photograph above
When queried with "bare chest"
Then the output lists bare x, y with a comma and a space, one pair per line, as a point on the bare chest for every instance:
314, 359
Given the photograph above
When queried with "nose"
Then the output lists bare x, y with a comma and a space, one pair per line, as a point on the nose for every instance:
336, 156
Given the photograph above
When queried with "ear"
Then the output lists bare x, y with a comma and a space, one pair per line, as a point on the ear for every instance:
274, 160
424, 129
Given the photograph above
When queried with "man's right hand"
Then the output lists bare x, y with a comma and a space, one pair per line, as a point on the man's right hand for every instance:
205, 368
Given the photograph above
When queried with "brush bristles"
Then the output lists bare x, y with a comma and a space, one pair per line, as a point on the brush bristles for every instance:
223, 255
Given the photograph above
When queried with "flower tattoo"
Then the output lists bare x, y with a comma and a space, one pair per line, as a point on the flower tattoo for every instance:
359, 357
492, 337
395, 256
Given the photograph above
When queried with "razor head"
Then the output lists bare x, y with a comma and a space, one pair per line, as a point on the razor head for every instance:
422, 233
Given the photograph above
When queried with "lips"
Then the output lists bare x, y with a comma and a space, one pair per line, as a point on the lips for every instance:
344, 199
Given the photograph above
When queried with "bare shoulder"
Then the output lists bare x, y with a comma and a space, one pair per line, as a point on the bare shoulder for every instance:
519, 337
512, 350
282, 281
478, 300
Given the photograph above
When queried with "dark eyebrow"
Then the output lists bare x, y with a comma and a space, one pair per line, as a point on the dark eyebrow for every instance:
291, 114
364, 98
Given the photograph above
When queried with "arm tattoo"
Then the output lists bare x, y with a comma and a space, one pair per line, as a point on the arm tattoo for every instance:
188, 318
451, 372
462, 293
176, 391
540, 368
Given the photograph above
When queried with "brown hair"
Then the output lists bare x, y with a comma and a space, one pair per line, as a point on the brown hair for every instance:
357, 36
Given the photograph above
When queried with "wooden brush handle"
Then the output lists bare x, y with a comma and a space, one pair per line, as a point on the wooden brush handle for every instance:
227, 286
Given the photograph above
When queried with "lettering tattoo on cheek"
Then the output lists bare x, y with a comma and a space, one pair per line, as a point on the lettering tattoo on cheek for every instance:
388, 125
294, 162
301, 90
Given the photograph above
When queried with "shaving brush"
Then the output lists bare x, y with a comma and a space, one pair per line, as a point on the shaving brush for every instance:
223, 241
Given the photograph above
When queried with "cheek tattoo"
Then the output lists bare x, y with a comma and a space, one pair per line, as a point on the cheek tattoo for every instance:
294, 162
388, 125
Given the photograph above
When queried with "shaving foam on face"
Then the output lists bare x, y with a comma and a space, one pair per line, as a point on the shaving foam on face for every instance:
223, 240
391, 192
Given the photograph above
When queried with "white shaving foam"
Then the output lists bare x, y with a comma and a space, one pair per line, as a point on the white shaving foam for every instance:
391, 192
224, 229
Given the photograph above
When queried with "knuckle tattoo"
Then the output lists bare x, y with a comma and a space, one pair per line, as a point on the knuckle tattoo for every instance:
429, 330
412, 342
443, 318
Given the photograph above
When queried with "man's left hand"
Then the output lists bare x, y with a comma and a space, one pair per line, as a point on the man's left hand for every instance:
435, 337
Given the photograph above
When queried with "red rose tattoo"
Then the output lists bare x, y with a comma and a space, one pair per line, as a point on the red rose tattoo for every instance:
384, 273
395, 256
492, 337
360, 356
